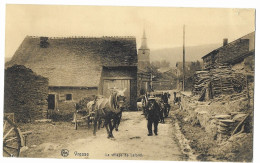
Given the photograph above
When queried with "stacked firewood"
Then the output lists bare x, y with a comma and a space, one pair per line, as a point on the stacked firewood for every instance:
201, 78
221, 80
218, 80
227, 124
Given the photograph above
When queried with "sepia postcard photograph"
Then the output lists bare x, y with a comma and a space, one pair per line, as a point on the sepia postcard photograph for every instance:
129, 83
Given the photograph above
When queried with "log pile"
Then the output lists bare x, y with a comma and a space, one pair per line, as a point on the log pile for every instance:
221, 79
25, 94
227, 123
218, 80
201, 78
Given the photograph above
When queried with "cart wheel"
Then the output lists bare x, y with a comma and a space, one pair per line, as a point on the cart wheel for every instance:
75, 120
11, 139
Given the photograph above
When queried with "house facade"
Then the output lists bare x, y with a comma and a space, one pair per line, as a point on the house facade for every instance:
236, 53
228, 69
79, 67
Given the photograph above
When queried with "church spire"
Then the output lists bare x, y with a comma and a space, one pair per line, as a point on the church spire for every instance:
144, 41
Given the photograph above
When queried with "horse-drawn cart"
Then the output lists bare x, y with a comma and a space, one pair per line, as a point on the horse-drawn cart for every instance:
13, 139
80, 117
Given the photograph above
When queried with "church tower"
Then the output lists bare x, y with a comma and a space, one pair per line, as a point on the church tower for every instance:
143, 54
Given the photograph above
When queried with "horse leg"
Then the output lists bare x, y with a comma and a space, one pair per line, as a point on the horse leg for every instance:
106, 125
95, 127
103, 123
88, 121
111, 129
118, 119
165, 111
99, 123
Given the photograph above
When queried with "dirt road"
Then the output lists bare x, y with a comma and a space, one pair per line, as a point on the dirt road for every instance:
130, 142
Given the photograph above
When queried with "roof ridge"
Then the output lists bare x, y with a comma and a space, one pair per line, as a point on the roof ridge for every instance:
65, 37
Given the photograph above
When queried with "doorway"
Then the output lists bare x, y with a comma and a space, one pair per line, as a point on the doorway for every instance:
51, 101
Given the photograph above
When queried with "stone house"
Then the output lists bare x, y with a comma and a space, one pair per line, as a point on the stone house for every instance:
236, 53
79, 67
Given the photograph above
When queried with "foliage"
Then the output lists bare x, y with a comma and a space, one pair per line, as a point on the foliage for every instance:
160, 64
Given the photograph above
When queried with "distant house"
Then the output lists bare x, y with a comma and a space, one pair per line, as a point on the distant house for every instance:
79, 67
238, 53
166, 79
179, 74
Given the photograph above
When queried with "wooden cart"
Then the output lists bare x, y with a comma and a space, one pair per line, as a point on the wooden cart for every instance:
82, 117
13, 139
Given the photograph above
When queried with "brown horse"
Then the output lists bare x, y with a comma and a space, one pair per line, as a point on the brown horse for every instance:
109, 109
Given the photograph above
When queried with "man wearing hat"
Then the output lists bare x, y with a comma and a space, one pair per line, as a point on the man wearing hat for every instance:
153, 116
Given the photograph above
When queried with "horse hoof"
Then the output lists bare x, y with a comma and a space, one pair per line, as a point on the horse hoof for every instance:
116, 129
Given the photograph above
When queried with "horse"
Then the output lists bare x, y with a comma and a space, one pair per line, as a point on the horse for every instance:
162, 111
109, 109
177, 100
166, 105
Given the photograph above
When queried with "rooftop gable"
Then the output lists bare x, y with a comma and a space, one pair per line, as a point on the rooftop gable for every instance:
250, 37
74, 61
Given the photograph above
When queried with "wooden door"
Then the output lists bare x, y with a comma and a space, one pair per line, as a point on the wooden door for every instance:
119, 84
51, 101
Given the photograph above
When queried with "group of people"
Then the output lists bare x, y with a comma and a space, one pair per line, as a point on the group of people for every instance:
155, 109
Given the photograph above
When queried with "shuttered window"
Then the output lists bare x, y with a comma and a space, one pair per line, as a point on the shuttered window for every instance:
68, 97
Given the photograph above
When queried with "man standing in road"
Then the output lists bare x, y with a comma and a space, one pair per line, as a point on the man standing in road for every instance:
153, 116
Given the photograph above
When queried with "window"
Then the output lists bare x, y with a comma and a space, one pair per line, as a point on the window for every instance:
68, 97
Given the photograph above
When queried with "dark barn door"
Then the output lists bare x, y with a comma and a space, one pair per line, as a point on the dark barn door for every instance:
51, 101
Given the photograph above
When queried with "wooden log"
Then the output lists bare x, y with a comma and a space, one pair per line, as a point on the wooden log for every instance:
240, 123
223, 116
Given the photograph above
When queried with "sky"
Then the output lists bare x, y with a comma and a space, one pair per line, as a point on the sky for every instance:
163, 25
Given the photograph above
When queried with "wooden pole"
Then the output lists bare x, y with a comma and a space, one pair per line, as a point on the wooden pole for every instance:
151, 82
183, 64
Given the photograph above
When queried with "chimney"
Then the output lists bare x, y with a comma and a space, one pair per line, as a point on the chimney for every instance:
225, 41
44, 42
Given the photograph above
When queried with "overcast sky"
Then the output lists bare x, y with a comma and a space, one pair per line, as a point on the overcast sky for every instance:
163, 25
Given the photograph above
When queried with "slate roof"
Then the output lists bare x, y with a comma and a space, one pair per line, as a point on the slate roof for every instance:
249, 36
74, 61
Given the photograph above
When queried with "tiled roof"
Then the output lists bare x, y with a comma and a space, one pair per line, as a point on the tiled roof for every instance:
74, 61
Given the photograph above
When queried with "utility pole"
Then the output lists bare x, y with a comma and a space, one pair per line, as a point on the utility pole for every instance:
183, 64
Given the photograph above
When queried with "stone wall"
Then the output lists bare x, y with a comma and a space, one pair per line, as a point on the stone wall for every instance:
209, 114
25, 94
64, 109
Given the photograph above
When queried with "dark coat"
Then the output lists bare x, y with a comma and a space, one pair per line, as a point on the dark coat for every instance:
153, 111
165, 98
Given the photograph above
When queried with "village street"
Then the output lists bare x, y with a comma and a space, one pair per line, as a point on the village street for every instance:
130, 142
